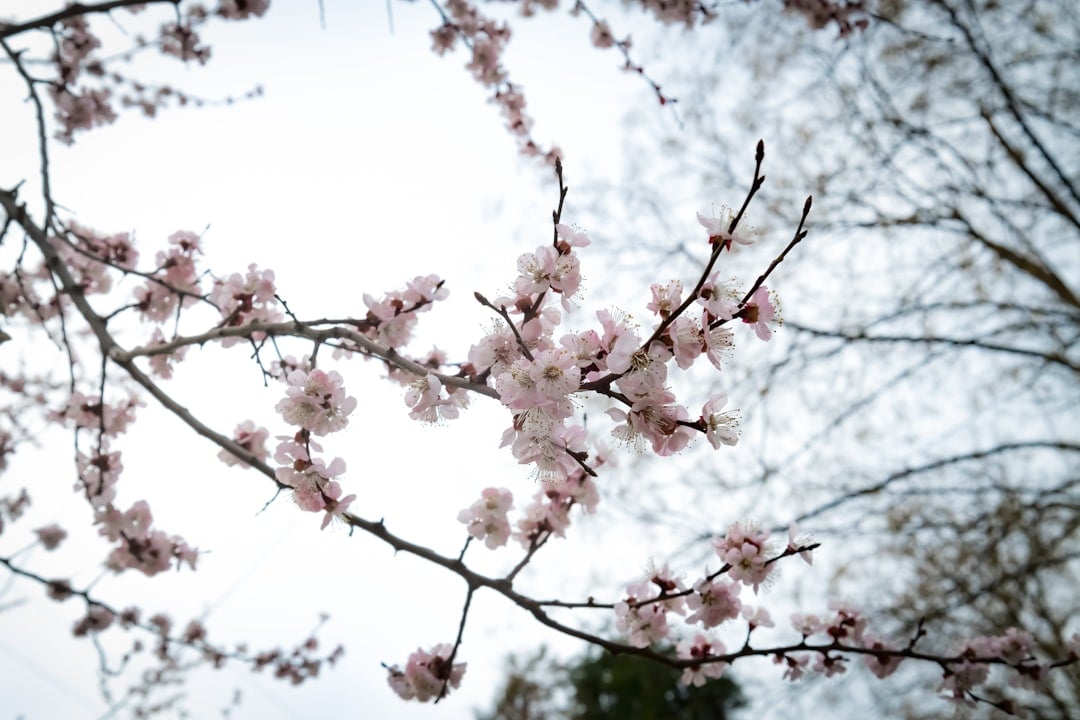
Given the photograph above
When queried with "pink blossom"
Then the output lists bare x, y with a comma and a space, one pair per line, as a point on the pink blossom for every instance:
757, 617
701, 648
316, 401
80, 111
686, 338
50, 536
619, 341
721, 428
807, 624
645, 373
548, 268
645, 624
443, 38
720, 300
242, 9
584, 347
97, 618
759, 311
665, 298
496, 351
795, 541
643, 614
1014, 647
713, 603
554, 373
543, 440
486, 517
423, 290
517, 389
161, 364
572, 236
250, 437
312, 480
796, 665
425, 397
245, 299
718, 344
963, 677
882, 665
650, 417
717, 227
183, 42
176, 273
743, 548
426, 674
336, 506
601, 36
87, 411
829, 665
139, 546
97, 476
544, 515
848, 623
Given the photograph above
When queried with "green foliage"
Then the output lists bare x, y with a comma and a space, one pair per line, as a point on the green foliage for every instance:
602, 686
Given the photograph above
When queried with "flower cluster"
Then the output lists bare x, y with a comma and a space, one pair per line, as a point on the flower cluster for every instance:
315, 400
312, 481
849, 15
427, 675
391, 320
251, 438
744, 549
138, 545
86, 411
486, 518
486, 39
429, 403
246, 298
701, 648
549, 511
174, 282
643, 613
1014, 647
80, 100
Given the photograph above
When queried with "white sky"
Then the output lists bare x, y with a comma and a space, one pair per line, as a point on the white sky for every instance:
367, 161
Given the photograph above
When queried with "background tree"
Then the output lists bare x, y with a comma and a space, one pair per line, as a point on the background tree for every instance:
924, 385
594, 685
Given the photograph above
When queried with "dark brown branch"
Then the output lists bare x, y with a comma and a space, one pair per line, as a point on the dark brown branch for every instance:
74, 10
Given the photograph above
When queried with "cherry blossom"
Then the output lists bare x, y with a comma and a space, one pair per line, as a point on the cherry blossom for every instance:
643, 613
719, 232
881, 666
316, 401
50, 536
700, 648
250, 437
427, 675
486, 517
759, 312
744, 549
721, 428
428, 403
713, 603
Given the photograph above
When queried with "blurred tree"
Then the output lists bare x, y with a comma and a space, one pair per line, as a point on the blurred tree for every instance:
599, 685
920, 400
